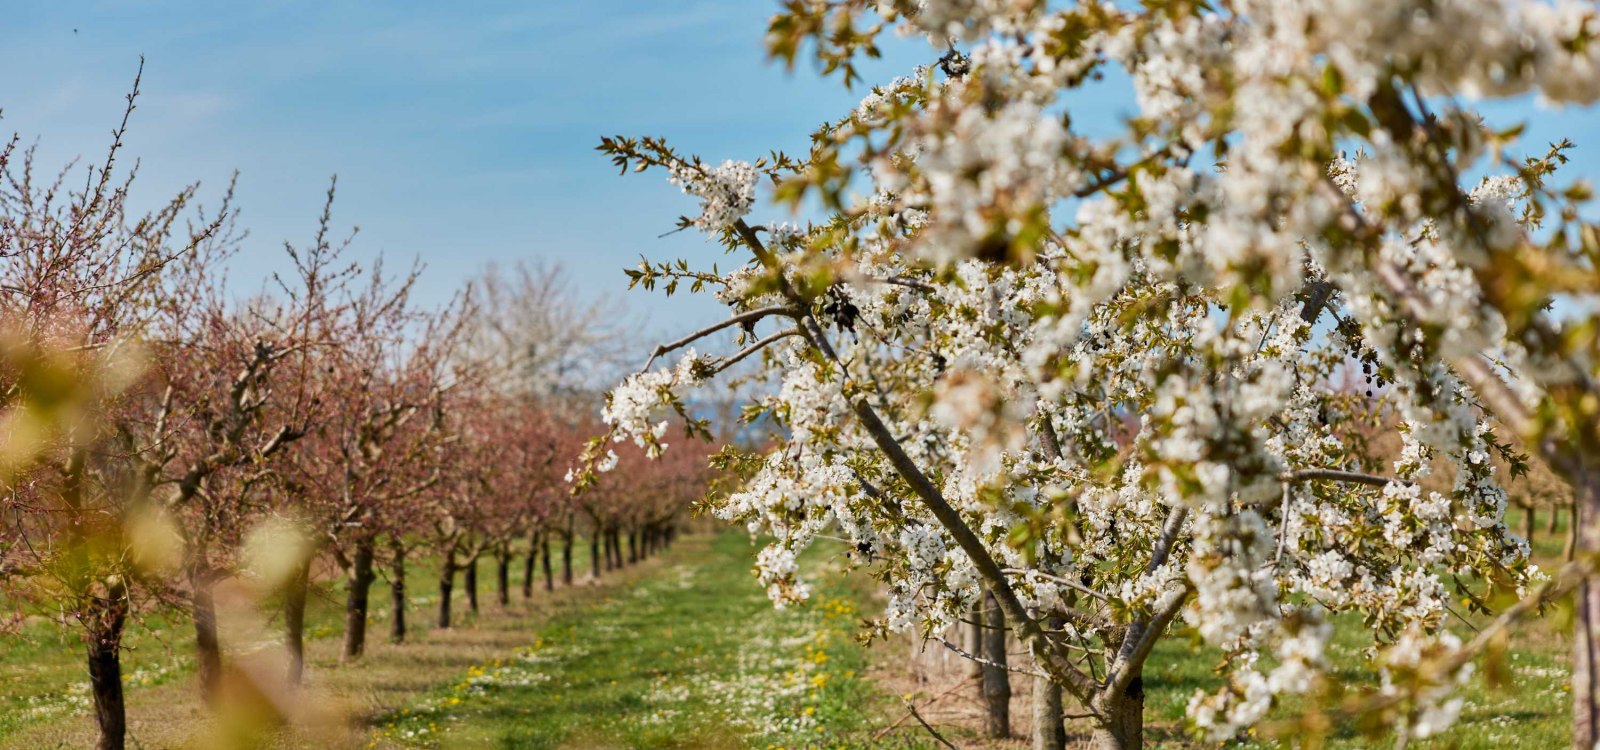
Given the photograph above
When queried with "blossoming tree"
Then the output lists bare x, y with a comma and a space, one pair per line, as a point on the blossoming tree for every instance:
1098, 375
82, 284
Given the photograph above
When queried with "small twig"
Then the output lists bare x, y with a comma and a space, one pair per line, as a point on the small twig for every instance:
929, 727
1335, 475
935, 699
746, 317
1063, 581
735, 358
906, 282
986, 662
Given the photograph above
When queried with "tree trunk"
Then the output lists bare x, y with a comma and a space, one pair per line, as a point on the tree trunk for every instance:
105, 669
208, 647
975, 639
1125, 730
594, 555
1575, 518
355, 606
528, 566
397, 591
566, 559
294, 620
633, 546
1049, 733
1551, 522
996, 680
1586, 630
549, 578
470, 582
610, 538
502, 576
447, 582
1529, 521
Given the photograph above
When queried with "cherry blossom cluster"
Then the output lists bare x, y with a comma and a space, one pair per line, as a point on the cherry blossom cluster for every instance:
1131, 383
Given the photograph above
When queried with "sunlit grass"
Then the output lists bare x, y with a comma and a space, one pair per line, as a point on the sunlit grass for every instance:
694, 657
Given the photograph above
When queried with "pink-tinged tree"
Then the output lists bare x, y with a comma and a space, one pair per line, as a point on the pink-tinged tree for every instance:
380, 371
528, 483
953, 354
550, 345
463, 506
229, 404
83, 274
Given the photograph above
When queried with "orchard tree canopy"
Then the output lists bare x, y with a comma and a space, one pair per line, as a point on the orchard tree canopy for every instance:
1113, 379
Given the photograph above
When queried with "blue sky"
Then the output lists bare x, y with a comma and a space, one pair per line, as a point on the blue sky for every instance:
461, 132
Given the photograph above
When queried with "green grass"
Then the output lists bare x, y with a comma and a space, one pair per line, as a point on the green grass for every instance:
43, 672
695, 656
1530, 709
690, 654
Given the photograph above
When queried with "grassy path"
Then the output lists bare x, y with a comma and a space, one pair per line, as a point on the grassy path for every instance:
682, 651
694, 656
164, 712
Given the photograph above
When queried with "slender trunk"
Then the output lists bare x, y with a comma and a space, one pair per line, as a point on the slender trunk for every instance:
1551, 522
610, 538
397, 591
355, 606
1049, 733
294, 620
633, 546
1586, 631
470, 581
996, 680
1575, 517
528, 566
105, 668
594, 555
447, 582
566, 559
502, 576
208, 647
975, 639
1125, 727
1529, 521
549, 577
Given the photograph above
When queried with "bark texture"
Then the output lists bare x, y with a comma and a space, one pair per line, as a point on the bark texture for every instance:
447, 584
105, 668
207, 645
356, 599
294, 621
397, 592
996, 679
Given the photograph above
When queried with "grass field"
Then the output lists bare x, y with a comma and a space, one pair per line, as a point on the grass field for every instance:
1531, 709
44, 686
681, 652
693, 657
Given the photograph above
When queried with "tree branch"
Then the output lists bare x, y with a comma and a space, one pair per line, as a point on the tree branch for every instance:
745, 317
1027, 629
